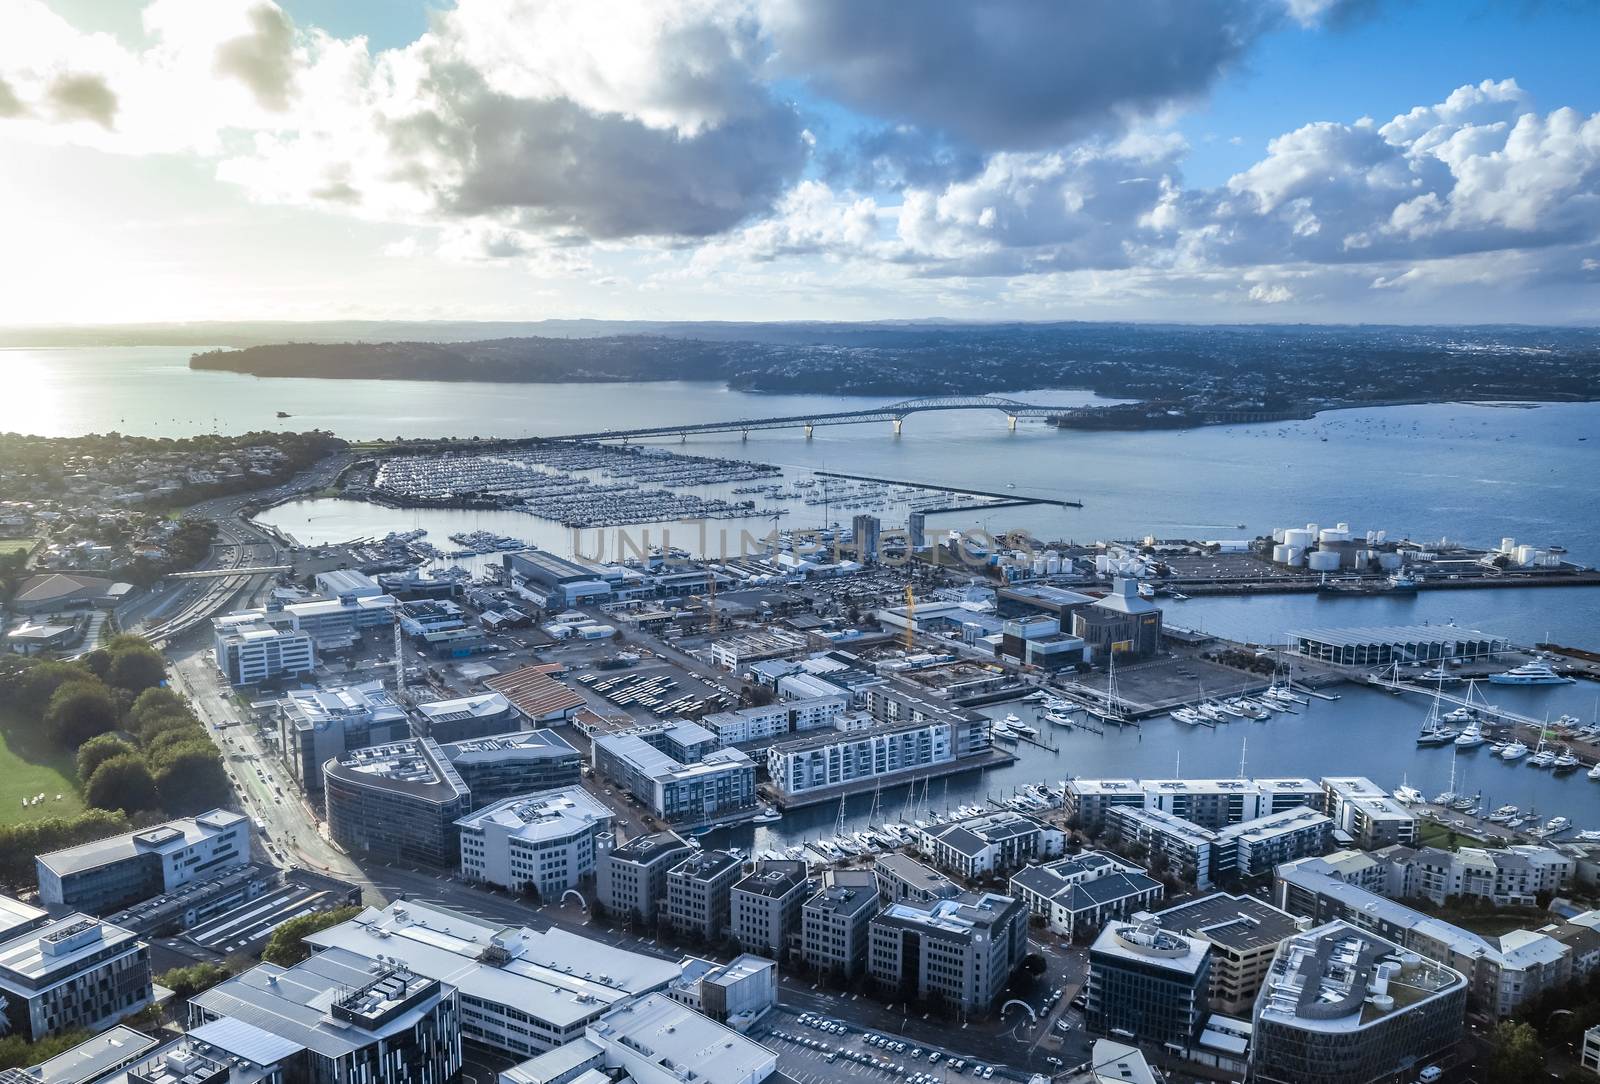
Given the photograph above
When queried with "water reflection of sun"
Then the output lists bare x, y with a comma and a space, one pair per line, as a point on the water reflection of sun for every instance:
32, 399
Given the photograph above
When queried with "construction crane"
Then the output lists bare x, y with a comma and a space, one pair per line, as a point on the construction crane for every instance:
911, 619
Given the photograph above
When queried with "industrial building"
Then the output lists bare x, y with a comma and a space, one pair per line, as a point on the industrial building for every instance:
718, 783
521, 991
561, 582
1148, 984
631, 878
1385, 645
336, 1017
110, 874
522, 762
699, 893
764, 907
72, 972
1078, 894
316, 725
834, 923
737, 993
1122, 622
959, 951
547, 842
1341, 1005
1243, 933
400, 800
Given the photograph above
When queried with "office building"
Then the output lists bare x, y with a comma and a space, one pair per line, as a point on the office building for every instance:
464, 718
765, 906
990, 843
521, 991
317, 725
654, 1040
1589, 1056
521, 762
73, 972
902, 879
1243, 933
545, 842
865, 534
1121, 622
777, 719
1502, 973
400, 800
1343, 1006
834, 922
248, 654
959, 951
830, 759
714, 784
737, 993
1078, 894
110, 874
631, 878
336, 624
95, 1059
1148, 984
354, 1021
916, 530
699, 893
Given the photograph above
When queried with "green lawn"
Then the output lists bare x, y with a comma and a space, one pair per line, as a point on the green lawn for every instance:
17, 545
28, 767
1434, 834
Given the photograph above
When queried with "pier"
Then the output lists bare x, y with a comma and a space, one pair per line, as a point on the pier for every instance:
1006, 500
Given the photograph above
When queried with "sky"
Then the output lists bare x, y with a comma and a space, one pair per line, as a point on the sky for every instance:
1409, 161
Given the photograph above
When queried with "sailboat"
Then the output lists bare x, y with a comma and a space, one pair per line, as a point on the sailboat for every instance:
1112, 711
1449, 796
1435, 732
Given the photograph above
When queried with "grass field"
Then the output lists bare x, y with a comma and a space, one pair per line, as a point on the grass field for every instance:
1433, 834
16, 545
29, 766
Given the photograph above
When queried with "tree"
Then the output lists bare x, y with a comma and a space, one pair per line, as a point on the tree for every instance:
40, 681
153, 703
190, 778
287, 945
136, 669
97, 750
124, 783
1515, 1054
186, 982
80, 710
16, 1051
19, 843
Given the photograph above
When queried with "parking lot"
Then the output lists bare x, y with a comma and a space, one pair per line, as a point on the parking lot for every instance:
815, 1049
246, 928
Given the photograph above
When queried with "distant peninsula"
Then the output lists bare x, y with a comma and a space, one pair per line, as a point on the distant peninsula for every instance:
1179, 375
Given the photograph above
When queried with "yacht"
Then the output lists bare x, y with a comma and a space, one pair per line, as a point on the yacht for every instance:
1594, 773
1503, 814
1060, 718
1556, 825
1024, 729
1589, 835
1407, 795
1230, 708
1537, 672
1000, 728
1439, 676
1513, 750
1544, 758
767, 815
1186, 715
1471, 737
1459, 715
1566, 762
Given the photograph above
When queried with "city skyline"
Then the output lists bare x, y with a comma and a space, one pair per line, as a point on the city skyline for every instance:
1227, 161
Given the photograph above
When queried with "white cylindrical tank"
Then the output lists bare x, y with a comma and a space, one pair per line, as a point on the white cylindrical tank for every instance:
1322, 561
1527, 555
1281, 553
1313, 528
1298, 538
1038, 566
1297, 557
1333, 534
1102, 564
1372, 536
1508, 545
1277, 534
1052, 562
1382, 535
1343, 526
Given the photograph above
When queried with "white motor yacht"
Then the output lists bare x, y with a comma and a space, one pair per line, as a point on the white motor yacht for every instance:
1408, 795
1537, 672
1471, 737
1513, 750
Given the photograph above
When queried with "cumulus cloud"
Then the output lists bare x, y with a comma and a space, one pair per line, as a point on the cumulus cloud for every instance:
262, 59
1013, 74
82, 96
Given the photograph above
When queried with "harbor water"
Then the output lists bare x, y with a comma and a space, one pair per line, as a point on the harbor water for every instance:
1475, 473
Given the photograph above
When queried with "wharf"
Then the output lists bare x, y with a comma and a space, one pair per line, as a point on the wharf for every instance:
994, 758
1012, 499
1306, 585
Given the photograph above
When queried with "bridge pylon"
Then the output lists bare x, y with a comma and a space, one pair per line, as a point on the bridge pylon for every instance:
1011, 422
809, 427
898, 422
